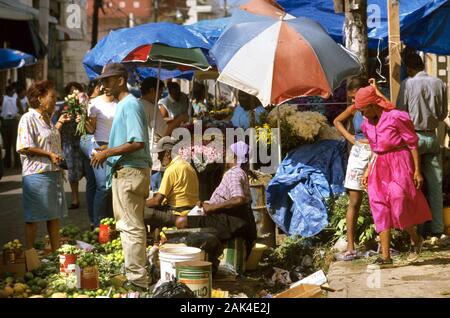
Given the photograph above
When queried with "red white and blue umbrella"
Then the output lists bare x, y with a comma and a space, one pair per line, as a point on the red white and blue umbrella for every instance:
280, 59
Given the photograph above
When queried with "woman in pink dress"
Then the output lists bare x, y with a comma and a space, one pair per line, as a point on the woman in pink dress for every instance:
394, 178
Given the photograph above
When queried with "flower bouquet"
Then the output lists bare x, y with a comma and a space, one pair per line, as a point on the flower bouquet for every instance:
76, 105
201, 155
296, 127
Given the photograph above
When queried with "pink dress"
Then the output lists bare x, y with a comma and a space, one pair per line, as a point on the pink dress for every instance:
394, 200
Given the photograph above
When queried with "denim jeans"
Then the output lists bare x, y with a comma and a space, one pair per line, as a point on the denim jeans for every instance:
431, 166
156, 180
96, 194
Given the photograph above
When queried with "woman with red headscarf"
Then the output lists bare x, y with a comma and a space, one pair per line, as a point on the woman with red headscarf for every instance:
393, 177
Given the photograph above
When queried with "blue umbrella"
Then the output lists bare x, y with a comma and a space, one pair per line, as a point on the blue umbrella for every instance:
117, 45
14, 59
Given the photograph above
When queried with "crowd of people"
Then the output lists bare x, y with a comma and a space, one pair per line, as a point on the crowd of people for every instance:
123, 178
132, 173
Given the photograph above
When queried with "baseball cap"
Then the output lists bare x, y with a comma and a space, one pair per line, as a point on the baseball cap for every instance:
113, 69
165, 143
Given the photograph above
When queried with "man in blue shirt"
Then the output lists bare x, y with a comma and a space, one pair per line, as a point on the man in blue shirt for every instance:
247, 113
128, 172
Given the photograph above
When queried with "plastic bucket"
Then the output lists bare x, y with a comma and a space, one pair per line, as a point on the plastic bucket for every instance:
168, 257
67, 264
255, 256
197, 276
106, 233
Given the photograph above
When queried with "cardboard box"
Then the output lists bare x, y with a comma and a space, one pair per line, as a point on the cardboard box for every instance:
21, 266
317, 278
301, 291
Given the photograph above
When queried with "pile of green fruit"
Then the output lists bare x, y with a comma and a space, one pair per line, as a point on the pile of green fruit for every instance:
114, 245
89, 237
108, 221
69, 250
86, 259
70, 231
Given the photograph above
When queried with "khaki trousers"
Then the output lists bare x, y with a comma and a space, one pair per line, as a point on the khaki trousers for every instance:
130, 190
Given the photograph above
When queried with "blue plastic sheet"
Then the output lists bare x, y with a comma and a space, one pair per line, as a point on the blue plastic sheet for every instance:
114, 47
424, 24
14, 59
296, 196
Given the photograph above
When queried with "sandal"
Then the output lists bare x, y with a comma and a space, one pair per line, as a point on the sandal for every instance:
381, 263
349, 255
416, 249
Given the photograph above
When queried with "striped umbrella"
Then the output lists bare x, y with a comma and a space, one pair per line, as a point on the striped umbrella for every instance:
280, 59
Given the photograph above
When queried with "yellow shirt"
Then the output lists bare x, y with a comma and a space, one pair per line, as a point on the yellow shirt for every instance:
179, 184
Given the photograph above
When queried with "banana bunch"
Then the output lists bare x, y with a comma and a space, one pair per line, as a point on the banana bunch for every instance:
13, 245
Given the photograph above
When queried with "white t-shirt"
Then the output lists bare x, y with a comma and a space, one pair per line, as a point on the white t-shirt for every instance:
9, 107
173, 107
104, 112
24, 103
160, 129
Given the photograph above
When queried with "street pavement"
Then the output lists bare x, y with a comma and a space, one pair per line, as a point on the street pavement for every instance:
12, 224
428, 277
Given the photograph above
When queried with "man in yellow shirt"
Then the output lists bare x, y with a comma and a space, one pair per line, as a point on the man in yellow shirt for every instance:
179, 189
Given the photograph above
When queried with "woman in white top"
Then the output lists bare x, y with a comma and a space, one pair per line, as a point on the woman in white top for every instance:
10, 114
101, 113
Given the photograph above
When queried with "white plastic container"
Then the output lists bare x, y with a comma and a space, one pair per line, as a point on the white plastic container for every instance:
168, 257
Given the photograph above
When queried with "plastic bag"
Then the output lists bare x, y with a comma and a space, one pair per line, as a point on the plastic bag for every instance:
173, 289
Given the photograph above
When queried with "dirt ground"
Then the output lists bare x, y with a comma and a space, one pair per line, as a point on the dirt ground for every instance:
428, 277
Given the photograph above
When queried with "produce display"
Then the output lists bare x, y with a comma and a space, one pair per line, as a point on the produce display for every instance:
47, 281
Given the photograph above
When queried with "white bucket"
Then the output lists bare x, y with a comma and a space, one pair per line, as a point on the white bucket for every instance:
168, 257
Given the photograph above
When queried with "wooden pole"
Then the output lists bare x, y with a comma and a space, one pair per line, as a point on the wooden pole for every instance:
355, 29
97, 4
394, 47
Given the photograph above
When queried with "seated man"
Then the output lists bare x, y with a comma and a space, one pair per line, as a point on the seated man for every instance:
229, 209
179, 189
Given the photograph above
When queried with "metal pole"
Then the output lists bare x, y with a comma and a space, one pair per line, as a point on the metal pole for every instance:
279, 135
156, 106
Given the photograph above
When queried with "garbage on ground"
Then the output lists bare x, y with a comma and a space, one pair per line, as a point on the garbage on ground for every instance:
218, 293
340, 245
173, 289
281, 276
318, 278
301, 291
240, 295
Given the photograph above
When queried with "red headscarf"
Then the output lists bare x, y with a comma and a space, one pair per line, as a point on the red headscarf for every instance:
367, 96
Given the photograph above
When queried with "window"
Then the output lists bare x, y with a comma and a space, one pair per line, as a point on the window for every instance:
122, 4
136, 4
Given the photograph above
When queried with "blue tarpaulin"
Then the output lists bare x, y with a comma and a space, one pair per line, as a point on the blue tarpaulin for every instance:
118, 44
210, 29
296, 196
14, 59
424, 24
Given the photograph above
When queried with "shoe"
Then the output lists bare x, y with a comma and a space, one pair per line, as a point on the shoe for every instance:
347, 256
74, 206
380, 263
128, 285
